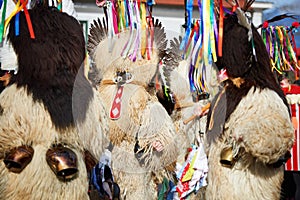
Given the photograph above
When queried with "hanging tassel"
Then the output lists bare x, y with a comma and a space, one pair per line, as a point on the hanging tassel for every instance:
199, 43
221, 24
59, 5
279, 47
138, 34
121, 16
143, 29
28, 20
206, 30
21, 4
17, 24
189, 10
2, 29
110, 25
128, 44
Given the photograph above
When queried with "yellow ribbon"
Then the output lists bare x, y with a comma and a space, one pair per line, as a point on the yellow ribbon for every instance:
273, 66
122, 15
212, 44
144, 29
17, 9
206, 30
189, 174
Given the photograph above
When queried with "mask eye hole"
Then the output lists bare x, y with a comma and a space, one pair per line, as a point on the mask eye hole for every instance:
119, 79
18, 158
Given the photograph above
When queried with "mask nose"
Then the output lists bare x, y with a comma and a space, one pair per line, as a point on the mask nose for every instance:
18, 158
63, 162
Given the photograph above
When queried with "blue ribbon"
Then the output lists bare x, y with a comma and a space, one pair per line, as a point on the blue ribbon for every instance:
227, 11
126, 13
150, 2
189, 9
17, 24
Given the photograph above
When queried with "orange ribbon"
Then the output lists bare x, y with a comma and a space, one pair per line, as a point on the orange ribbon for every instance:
28, 20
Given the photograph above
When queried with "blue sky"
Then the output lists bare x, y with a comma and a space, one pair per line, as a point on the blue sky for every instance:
287, 4
291, 7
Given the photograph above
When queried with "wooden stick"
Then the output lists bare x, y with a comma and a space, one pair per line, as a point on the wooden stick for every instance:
5, 78
205, 108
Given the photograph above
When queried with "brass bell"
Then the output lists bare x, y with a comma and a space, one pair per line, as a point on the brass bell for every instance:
18, 158
63, 162
227, 159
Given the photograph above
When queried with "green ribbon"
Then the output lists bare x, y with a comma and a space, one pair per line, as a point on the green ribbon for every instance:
164, 189
3, 21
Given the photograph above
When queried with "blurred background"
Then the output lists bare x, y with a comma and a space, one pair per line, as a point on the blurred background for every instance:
172, 13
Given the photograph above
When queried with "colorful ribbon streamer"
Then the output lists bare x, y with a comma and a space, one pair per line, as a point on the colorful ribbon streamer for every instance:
21, 5
132, 16
279, 47
199, 43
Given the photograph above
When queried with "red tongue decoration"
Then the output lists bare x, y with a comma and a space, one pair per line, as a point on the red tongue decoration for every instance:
115, 110
100, 3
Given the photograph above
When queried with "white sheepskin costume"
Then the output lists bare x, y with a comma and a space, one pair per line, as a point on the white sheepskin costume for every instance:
142, 117
249, 130
48, 103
